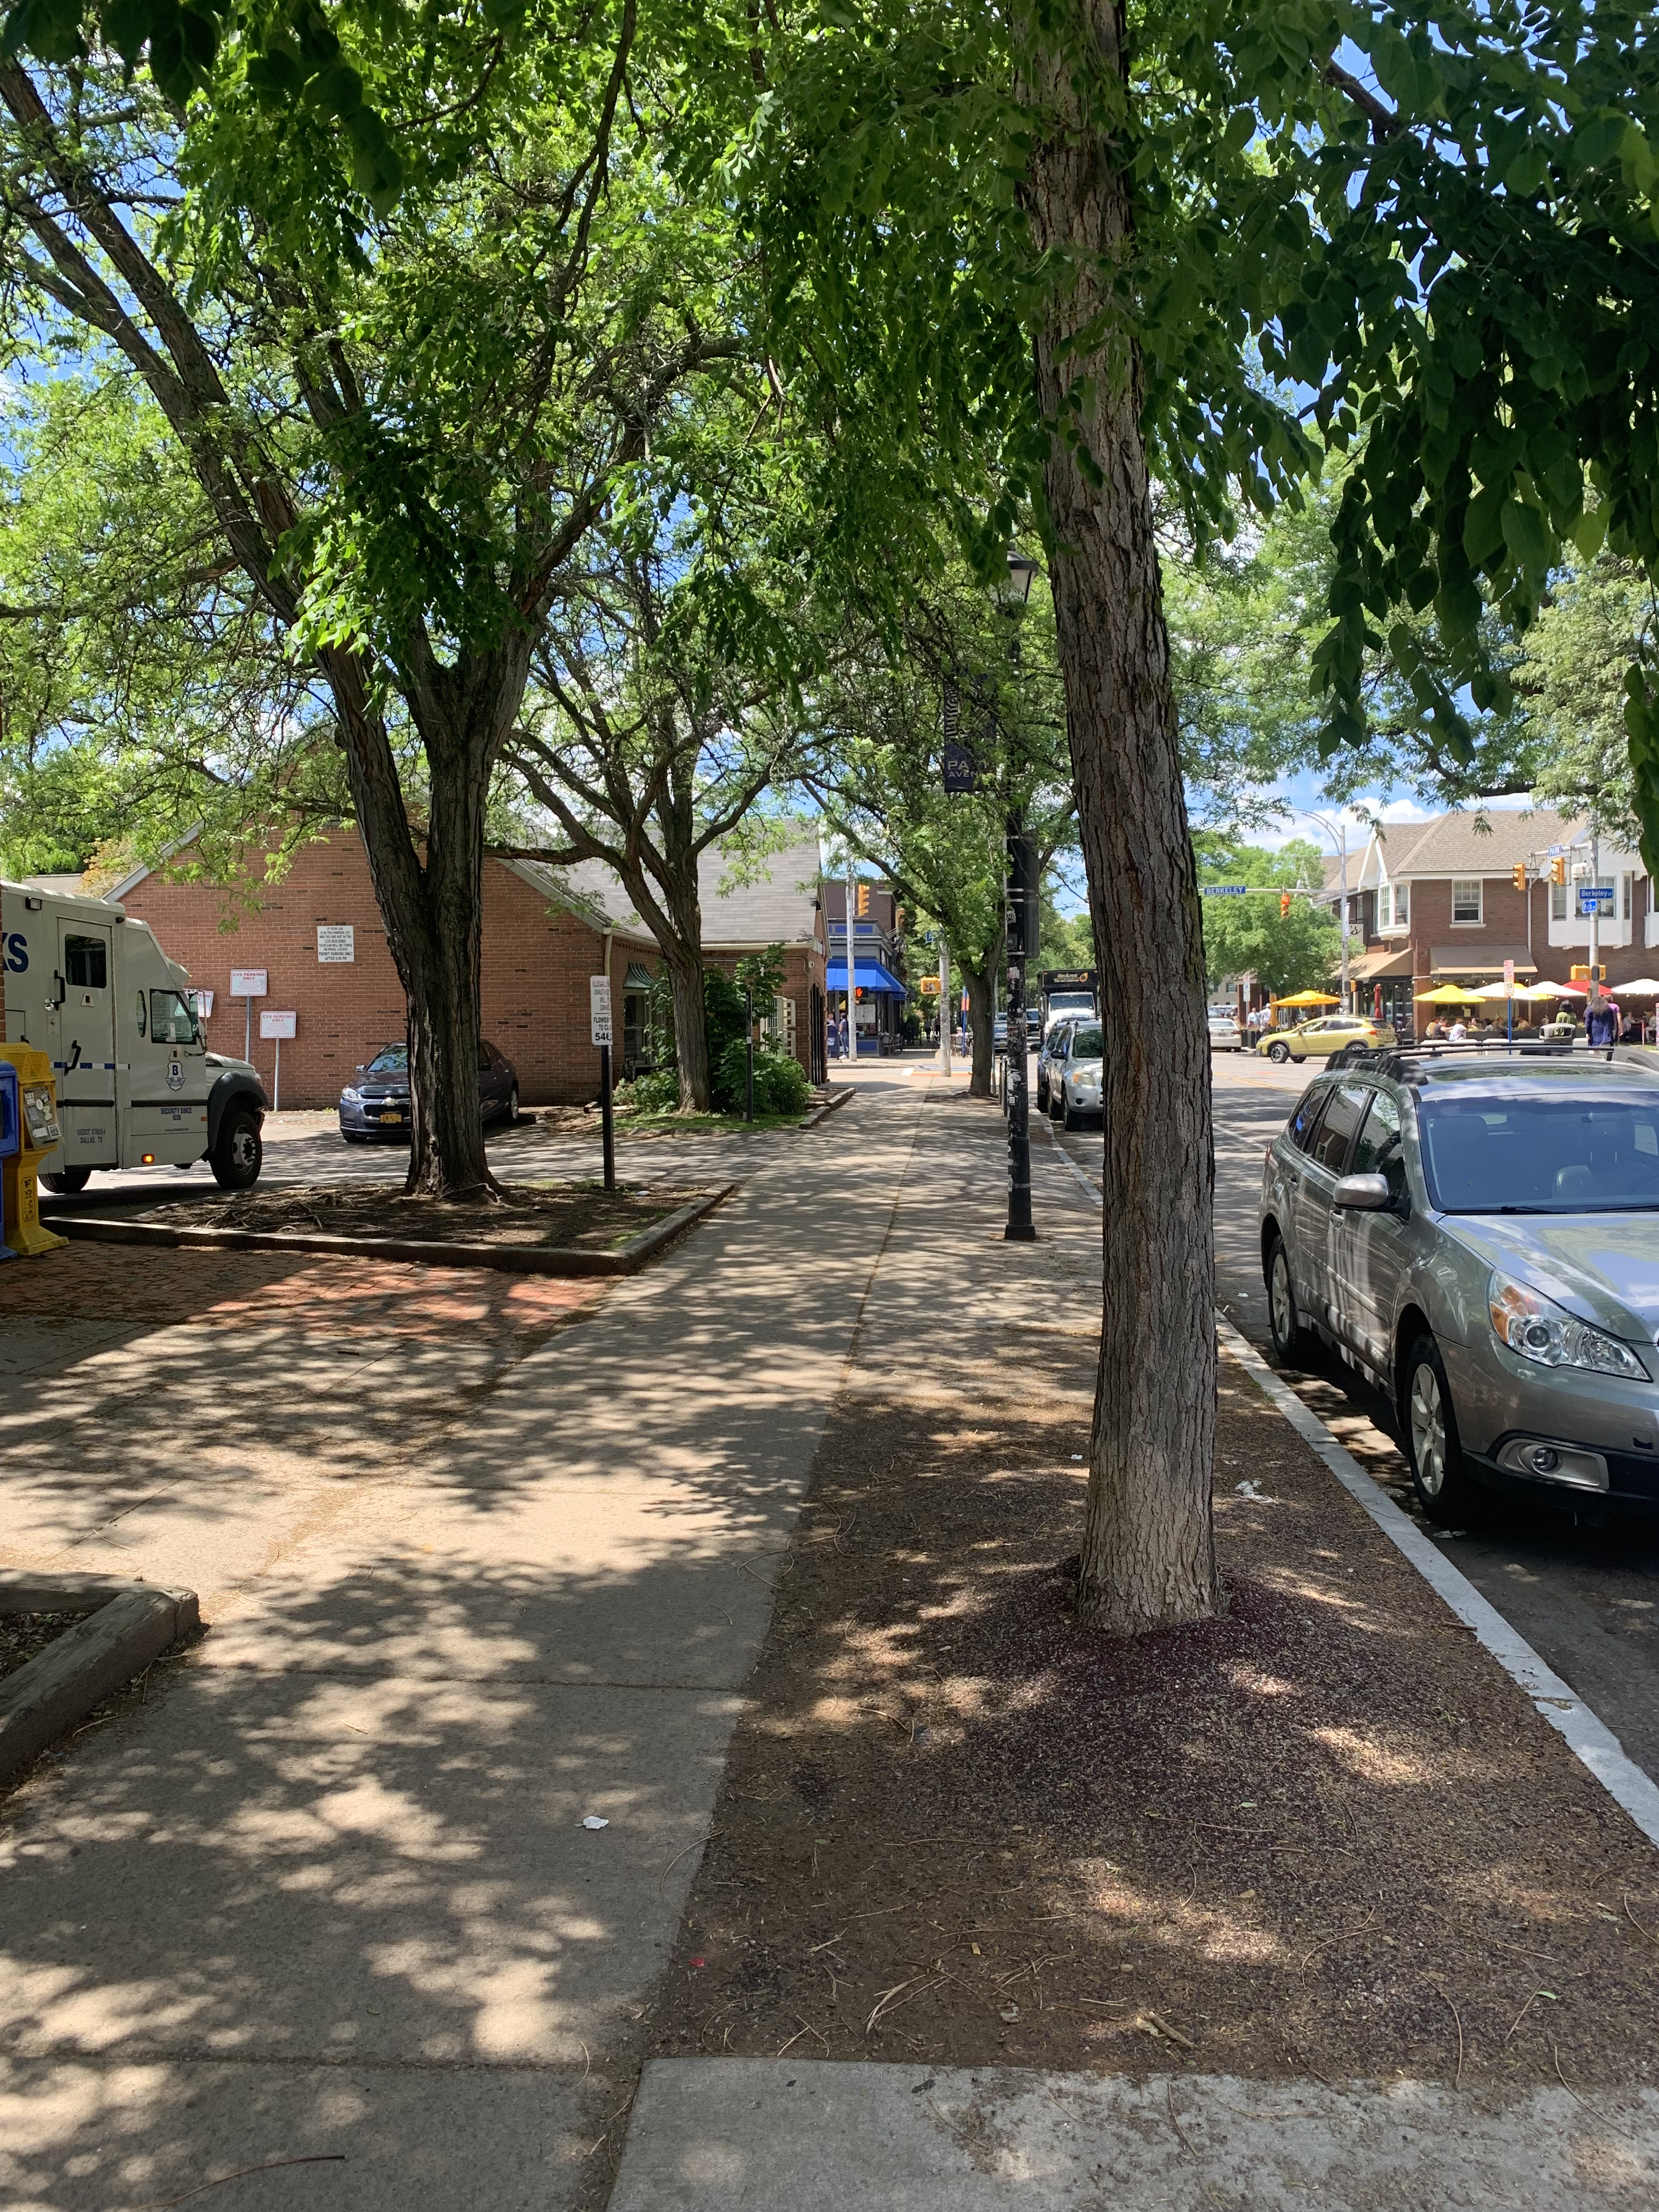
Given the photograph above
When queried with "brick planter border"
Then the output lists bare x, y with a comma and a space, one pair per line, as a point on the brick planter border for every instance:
509, 1259
127, 1625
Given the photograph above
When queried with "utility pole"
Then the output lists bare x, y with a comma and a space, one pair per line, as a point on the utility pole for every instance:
1021, 912
944, 1006
852, 965
1338, 829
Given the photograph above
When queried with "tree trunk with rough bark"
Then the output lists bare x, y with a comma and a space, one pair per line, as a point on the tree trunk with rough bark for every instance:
977, 984
1148, 1548
683, 961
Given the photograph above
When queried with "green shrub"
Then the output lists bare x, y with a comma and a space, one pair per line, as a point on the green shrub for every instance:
658, 1092
780, 1084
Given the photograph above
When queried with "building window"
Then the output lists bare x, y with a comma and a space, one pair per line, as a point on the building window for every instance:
1558, 902
1466, 900
1393, 907
1629, 904
1402, 905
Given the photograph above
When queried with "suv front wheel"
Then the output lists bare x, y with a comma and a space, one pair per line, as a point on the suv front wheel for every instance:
1430, 1427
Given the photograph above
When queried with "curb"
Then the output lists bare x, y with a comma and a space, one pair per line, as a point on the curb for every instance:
508, 1259
832, 1104
127, 1625
1589, 1740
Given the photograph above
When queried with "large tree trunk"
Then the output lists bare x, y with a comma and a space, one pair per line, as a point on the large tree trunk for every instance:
431, 908
1148, 1546
977, 981
684, 964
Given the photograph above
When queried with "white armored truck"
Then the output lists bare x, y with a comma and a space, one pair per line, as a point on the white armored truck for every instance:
136, 1086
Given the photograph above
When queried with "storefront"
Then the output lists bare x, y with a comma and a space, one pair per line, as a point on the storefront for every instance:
877, 995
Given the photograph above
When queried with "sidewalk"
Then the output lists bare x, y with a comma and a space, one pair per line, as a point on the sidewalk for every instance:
477, 1573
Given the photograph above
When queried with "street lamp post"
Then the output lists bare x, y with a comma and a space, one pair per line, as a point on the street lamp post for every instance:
1021, 906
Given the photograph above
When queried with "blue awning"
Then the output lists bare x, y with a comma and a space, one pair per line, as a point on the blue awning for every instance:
869, 974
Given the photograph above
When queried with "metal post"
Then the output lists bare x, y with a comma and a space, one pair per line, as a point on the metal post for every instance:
276, 1087
248, 1031
749, 1054
1595, 911
1020, 1229
1342, 846
852, 969
944, 1006
607, 1124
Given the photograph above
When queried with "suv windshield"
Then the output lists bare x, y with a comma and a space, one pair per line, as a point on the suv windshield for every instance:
1088, 1043
1593, 1153
391, 1060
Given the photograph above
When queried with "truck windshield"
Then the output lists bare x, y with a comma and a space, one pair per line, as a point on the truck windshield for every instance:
1593, 1153
1070, 1002
391, 1060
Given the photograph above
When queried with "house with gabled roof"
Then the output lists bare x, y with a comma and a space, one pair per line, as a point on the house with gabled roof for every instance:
313, 932
1452, 899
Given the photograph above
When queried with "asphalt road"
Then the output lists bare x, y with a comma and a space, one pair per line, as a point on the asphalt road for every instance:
1587, 1599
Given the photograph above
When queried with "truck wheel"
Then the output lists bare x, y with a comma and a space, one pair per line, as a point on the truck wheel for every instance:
237, 1154
67, 1181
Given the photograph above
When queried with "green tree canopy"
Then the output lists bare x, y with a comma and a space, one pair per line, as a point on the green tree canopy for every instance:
1292, 951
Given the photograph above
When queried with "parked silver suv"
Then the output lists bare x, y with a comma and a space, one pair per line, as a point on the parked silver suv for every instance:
1477, 1230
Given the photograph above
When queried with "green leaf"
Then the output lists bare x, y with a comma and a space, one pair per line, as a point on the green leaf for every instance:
1589, 530
1527, 172
338, 91
126, 27
1483, 528
1528, 536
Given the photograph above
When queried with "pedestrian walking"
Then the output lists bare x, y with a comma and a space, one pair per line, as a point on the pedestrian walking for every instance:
1602, 1019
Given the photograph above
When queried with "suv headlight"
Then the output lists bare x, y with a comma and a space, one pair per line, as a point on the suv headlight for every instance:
1539, 1329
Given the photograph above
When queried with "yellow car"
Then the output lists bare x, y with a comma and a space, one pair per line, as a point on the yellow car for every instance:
1315, 1039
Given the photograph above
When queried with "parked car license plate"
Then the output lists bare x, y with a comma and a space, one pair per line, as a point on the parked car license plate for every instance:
392, 1117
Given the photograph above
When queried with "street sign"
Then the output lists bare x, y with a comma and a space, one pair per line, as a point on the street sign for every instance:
247, 982
960, 774
279, 1025
336, 941
1509, 975
1225, 891
1594, 898
599, 1008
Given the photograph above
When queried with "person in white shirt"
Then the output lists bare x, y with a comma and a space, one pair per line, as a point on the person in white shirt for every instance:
1459, 1032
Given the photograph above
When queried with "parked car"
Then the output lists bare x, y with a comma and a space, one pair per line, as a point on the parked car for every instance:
1053, 1050
1329, 1033
1225, 1036
1477, 1234
1075, 1079
376, 1104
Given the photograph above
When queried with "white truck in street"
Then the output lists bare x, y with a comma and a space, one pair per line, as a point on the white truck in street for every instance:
136, 1086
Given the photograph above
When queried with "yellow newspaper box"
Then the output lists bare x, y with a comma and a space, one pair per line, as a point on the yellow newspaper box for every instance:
38, 1135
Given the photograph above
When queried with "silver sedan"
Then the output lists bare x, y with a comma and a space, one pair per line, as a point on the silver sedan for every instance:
1479, 1232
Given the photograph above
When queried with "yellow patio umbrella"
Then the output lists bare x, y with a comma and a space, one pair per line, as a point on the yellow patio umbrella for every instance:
1444, 994
1308, 999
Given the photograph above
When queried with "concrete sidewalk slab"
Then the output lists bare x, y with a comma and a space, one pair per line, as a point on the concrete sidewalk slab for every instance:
711, 2135
350, 1826
83, 2137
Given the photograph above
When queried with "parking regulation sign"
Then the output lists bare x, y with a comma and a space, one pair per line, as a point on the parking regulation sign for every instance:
598, 1004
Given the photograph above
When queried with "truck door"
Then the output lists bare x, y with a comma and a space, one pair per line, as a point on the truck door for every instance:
83, 1049
168, 1121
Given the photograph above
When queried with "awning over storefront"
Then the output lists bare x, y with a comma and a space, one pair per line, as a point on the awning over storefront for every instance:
868, 975
638, 978
1372, 967
1479, 960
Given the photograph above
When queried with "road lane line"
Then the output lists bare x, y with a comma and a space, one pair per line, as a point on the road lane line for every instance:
1591, 1741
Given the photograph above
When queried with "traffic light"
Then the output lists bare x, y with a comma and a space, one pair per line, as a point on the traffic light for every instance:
1558, 868
863, 901
1518, 875
1283, 904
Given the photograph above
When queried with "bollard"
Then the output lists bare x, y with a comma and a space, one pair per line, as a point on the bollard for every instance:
38, 1137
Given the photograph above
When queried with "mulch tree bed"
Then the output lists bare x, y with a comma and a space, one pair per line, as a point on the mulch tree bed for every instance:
24, 1635
1324, 1835
580, 1214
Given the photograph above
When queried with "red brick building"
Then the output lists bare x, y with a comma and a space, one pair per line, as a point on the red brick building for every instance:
316, 934
1433, 902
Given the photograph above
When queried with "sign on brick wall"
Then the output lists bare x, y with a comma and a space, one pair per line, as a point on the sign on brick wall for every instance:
336, 940
247, 982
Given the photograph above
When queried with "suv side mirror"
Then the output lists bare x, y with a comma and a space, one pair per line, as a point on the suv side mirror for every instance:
1362, 1193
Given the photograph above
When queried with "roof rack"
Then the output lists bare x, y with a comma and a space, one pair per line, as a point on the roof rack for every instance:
1406, 1060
